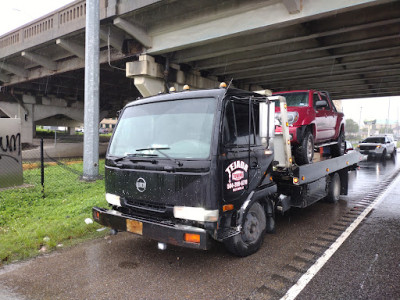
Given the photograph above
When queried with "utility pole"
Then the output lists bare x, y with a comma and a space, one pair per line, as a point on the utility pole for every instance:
387, 120
92, 82
359, 122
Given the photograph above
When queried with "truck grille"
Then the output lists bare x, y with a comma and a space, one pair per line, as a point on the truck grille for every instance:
367, 147
147, 206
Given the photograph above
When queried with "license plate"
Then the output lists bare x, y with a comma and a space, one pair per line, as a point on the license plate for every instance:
134, 226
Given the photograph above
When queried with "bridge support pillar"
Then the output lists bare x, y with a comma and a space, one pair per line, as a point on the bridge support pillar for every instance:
150, 77
71, 130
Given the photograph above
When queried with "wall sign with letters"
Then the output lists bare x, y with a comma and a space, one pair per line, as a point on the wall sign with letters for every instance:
10, 153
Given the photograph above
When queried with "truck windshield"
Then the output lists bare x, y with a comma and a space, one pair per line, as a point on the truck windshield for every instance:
181, 128
376, 140
295, 99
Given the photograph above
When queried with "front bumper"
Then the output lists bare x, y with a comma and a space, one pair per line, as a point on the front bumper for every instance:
165, 233
293, 133
375, 152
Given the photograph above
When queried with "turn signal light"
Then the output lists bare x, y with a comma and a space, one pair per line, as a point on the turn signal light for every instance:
222, 85
227, 207
192, 238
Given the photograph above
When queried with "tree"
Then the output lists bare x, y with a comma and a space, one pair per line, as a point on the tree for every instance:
351, 126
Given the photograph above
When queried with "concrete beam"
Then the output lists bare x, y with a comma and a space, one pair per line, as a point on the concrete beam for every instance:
148, 86
293, 6
223, 48
145, 66
274, 14
244, 69
114, 37
4, 77
238, 58
149, 77
138, 33
41, 60
72, 47
14, 69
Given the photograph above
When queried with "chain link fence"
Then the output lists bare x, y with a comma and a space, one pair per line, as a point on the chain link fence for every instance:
48, 162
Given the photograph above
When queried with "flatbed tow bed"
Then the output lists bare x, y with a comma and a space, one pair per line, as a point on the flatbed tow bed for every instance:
307, 184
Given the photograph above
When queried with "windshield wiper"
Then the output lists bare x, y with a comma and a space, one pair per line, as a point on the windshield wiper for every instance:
131, 155
158, 149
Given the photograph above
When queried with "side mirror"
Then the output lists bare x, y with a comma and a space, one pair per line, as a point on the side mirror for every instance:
267, 121
321, 103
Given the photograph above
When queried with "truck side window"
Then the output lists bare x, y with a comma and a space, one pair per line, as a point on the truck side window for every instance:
315, 99
324, 97
236, 124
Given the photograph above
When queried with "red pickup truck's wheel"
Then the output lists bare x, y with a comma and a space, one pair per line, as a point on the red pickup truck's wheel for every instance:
304, 154
339, 148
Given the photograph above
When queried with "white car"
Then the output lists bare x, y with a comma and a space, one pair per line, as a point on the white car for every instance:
379, 146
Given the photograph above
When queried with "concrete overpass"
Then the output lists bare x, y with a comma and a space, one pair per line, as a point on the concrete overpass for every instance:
348, 47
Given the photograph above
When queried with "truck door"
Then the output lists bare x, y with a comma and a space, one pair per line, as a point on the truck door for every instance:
331, 116
241, 149
321, 120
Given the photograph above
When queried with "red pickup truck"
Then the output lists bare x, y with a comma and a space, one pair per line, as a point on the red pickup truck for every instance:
314, 122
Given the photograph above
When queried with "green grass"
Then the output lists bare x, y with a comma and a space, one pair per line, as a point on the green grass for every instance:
26, 218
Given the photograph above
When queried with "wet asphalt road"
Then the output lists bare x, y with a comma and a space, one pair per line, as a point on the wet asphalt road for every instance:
367, 266
130, 267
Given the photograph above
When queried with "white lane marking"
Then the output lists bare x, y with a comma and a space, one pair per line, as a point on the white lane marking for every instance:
295, 290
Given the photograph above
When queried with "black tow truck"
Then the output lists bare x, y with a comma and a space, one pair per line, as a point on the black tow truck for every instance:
194, 167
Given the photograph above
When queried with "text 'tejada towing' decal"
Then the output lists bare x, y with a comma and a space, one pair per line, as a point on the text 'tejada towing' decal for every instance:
237, 172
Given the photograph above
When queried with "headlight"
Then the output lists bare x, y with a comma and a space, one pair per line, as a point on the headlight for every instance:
195, 214
113, 199
378, 146
293, 116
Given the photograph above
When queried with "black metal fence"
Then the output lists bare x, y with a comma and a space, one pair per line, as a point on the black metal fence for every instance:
50, 161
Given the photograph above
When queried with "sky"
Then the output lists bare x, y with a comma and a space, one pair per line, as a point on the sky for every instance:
15, 13
373, 109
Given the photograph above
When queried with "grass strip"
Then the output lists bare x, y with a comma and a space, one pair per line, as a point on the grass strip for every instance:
31, 224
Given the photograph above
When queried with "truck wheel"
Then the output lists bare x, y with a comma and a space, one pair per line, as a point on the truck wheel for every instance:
339, 148
251, 237
334, 189
394, 153
384, 154
304, 154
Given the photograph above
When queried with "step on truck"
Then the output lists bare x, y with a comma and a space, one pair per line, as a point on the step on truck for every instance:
194, 167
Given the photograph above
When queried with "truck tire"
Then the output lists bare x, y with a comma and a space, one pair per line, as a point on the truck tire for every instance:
304, 153
250, 239
334, 189
384, 154
339, 148
394, 153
